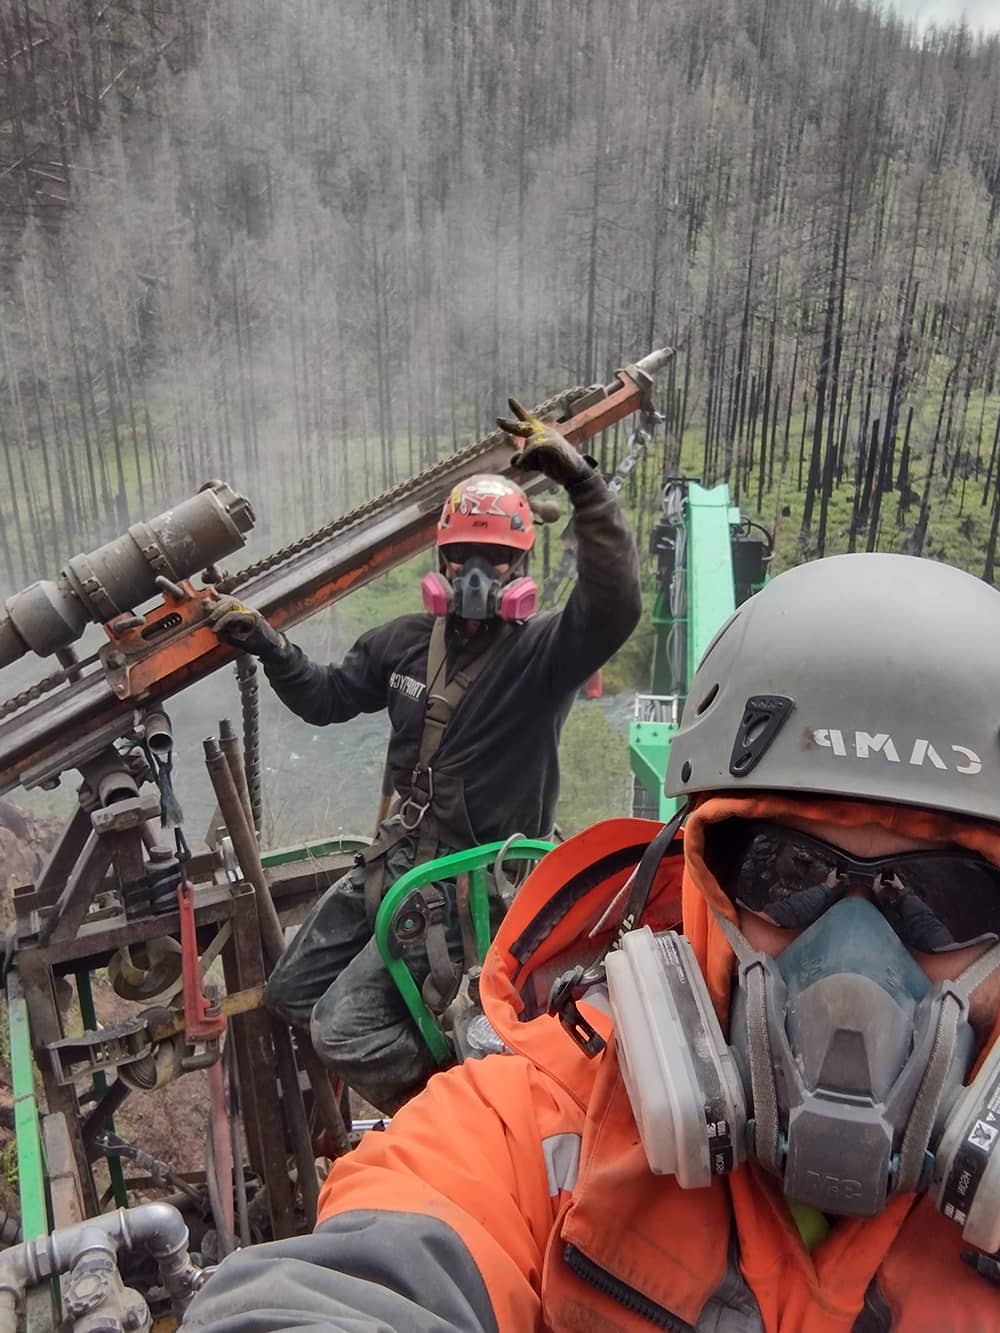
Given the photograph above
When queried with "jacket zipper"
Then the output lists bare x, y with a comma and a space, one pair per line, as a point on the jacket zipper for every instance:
578, 1263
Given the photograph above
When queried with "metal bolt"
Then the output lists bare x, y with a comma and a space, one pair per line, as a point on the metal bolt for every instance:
87, 1290
134, 1318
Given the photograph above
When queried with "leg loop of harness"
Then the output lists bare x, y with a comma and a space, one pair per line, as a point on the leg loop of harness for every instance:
442, 981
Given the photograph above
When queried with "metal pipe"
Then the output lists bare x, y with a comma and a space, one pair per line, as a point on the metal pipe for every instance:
654, 361
323, 1098
159, 733
236, 1142
324, 1101
272, 942
155, 1227
245, 846
219, 1161
229, 743
66, 657
224, 1236
272, 935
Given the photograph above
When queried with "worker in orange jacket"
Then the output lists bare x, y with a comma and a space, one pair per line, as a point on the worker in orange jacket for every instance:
783, 1119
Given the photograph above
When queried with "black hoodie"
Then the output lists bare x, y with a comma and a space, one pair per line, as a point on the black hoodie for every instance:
497, 770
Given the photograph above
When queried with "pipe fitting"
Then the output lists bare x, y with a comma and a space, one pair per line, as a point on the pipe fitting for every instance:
156, 1227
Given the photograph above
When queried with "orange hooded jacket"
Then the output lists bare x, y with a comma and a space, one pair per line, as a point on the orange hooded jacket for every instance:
474, 1145
525, 1175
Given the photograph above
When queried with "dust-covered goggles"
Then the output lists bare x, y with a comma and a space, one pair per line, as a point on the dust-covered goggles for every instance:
457, 553
936, 901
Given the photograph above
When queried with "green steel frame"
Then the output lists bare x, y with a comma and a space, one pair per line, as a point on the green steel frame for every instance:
27, 1127
88, 1017
307, 851
710, 520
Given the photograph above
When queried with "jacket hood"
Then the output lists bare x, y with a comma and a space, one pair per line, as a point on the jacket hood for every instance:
570, 906
564, 915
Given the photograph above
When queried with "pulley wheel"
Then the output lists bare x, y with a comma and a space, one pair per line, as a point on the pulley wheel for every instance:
142, 971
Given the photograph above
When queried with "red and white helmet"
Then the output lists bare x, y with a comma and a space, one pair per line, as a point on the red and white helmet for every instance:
487, 510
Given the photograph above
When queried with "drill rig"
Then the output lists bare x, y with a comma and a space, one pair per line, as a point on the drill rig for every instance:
709, 560
122, 889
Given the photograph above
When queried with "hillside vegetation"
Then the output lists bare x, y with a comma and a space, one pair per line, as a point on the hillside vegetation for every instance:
309, 247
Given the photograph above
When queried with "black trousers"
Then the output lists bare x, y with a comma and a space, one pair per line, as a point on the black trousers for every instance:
331, 980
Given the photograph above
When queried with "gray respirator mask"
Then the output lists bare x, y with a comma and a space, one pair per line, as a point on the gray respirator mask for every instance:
844, 1073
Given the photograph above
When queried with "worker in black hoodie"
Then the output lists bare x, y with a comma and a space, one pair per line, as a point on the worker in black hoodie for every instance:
477, 690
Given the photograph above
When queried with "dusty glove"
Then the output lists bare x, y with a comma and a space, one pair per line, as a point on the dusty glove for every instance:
545, 450
244, 628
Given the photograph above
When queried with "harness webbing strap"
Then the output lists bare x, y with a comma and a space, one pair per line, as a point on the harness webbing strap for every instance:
416, 810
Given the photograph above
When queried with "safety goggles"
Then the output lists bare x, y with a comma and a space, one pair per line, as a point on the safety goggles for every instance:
459, 552
936, 901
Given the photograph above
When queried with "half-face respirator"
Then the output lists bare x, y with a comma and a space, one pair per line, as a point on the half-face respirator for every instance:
477, 592
843, 1074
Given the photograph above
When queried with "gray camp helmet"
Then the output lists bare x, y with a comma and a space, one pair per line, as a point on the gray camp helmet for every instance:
868, 676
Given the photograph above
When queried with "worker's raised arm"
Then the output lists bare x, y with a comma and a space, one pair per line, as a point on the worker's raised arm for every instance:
440, 1224
606, 602
319, 694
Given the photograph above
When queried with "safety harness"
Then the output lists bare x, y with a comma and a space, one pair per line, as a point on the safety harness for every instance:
416, 813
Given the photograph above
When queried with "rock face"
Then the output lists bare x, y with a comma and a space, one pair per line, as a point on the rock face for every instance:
24, 841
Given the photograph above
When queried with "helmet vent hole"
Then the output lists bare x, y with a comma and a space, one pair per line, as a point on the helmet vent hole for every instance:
763, 717
686, 771
753, 733
708, 700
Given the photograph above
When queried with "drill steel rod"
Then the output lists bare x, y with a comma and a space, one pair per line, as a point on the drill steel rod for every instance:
325, 1102
231, 748
272, 940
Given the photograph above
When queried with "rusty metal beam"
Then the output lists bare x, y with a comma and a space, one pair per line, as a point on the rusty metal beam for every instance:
255, 1061
46, 1026
272, 944
294, 888
74, 901
62, 858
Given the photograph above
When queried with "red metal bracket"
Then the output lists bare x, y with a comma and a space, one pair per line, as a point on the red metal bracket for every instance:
200, 1023
142, 650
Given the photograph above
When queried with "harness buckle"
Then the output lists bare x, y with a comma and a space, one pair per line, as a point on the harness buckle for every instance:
412, 819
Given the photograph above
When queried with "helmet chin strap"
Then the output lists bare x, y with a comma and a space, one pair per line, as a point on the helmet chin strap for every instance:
954, 1008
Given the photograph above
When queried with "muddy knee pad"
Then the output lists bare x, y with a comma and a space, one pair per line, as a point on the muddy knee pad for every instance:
362, 1031
285, 999
324, 945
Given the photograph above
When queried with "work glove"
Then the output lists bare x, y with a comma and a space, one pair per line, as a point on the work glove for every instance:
545, 450
246, 629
